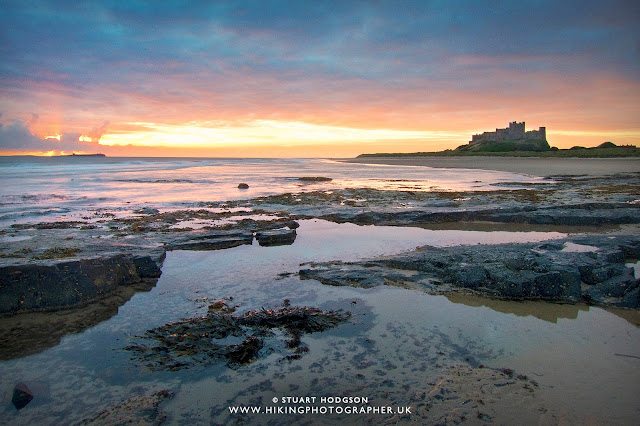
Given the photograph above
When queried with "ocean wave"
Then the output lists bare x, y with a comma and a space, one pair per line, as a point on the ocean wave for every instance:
34, 213
22, 198
164, 181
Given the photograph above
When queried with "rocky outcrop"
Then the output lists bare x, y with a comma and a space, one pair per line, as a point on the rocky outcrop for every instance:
276, 237
219, 240
582, 215
213, 241
557, 201
315, 179
147, 210
82, 267
69, 283
591, 269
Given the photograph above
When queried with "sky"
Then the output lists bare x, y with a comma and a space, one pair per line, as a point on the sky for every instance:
267, 78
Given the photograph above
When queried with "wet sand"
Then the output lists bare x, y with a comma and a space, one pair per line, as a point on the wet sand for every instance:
527, 165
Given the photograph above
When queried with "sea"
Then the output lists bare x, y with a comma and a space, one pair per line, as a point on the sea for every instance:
395, 343
61, 188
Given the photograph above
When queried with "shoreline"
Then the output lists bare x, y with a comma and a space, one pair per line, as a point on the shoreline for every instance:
536, 166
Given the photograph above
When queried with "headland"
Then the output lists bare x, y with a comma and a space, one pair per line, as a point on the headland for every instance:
535, 165
515, 141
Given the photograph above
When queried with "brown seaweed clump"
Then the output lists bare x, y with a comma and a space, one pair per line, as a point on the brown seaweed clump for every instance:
220, 336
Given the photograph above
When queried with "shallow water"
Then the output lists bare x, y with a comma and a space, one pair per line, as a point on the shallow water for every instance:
396, 341
36, 189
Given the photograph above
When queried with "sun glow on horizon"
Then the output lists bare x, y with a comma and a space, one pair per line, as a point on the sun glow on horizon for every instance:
260, 132
51, 153
286, 138
599, 133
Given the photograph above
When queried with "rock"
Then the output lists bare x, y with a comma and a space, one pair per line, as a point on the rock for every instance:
631, 299
619, 285
315, 179
292, 224
22, 395
276, 237
243, 186
470, 276
593, 274
146, 267
214, 241
631, 249
510, 271
210, 244
353, 277
557, 285
68, 283
147, 210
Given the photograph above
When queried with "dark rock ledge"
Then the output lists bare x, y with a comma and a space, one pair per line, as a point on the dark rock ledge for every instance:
213, 241
29, 287
81, 268
545, 271
81, 279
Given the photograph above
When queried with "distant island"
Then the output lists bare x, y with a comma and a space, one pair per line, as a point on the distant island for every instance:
84, 155
515, 141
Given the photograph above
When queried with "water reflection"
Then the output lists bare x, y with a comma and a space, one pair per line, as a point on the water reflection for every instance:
542, 310
30, 333
546, 311
631, 315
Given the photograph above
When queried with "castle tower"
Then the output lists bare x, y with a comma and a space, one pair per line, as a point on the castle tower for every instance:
516, 130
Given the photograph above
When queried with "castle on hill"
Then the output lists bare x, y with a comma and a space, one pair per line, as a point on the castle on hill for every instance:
514, 132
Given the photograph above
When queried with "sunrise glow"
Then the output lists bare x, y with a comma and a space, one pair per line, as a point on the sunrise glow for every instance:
253, 79
261, 132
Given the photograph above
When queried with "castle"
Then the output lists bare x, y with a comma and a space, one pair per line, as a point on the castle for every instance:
515, 131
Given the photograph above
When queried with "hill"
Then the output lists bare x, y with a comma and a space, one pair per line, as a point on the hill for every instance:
535, 145
502, 150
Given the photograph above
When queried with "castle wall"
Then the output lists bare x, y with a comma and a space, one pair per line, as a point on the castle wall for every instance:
502, 134
541, 133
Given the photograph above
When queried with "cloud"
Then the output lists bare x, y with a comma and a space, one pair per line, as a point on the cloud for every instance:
385, 41
96, 133
353, 63
16, 137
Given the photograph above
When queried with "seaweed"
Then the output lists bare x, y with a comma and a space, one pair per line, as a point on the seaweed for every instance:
58, 253
214, 337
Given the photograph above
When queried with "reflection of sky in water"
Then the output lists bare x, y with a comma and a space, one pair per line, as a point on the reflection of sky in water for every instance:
395, 343
69, 188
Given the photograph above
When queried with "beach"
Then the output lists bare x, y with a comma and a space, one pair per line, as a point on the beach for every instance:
185, 238
159, 288
529, 165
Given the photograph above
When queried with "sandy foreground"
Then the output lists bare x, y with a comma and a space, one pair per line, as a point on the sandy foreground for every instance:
527, 165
